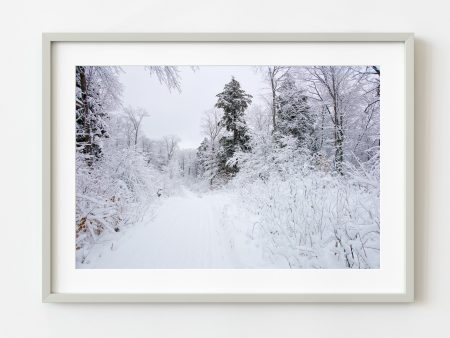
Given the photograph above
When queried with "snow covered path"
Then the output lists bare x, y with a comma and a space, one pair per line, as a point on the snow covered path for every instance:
188, 231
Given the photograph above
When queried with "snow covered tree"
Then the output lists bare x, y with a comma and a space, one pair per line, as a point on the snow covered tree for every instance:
337, 91
208, 161
170, 146
274, 75
234, 101
208, 151
187, 160
294, 115
202, 156
97, 91
259, 118
135, 117
212, 127
366, 141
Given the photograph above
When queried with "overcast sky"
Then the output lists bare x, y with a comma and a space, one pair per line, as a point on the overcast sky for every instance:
174, 113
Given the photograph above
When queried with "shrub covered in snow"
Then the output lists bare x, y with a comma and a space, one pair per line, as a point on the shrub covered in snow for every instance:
308, 215
316, 221
112, 193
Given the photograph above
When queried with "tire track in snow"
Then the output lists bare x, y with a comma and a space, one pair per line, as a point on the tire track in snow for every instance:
186, 232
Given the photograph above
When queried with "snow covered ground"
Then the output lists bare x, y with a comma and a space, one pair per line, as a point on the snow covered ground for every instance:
224, 229
190, 230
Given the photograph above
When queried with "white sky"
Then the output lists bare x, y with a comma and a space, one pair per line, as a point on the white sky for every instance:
174, 113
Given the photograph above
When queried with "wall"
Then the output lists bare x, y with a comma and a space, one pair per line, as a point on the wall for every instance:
21, 311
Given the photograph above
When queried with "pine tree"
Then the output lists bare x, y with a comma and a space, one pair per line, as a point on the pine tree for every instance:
203, 158
294, 115
234, 101
97, 90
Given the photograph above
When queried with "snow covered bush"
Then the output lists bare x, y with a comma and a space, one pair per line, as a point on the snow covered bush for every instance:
113, 193
309, 216
315, 220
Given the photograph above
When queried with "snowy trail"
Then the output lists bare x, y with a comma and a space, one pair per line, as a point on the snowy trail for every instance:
188, 231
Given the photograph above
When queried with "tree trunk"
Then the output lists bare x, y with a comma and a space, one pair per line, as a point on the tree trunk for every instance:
274, 98
86, 138
338, 137
339, 157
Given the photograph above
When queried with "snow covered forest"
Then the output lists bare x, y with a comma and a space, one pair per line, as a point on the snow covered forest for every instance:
227, 167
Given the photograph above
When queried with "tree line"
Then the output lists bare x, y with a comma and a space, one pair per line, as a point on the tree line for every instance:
330, 114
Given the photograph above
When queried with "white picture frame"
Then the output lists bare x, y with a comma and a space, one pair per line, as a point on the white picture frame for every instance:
49, 294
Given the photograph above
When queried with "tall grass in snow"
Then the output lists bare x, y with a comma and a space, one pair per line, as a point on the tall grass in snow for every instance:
310, 218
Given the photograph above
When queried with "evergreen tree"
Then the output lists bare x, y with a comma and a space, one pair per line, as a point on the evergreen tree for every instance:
234, 101
202, 157
206, 161
294, 115
97, 90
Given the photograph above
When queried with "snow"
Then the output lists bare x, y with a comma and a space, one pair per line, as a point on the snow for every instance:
190, 230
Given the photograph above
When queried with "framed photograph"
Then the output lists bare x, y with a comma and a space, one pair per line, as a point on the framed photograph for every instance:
228, 167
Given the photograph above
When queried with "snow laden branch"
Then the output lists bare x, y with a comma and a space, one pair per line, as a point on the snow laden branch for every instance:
167, 75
